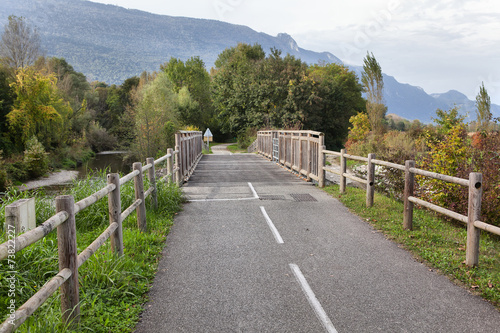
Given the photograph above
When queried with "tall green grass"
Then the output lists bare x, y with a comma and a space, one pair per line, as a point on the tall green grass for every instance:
112, 289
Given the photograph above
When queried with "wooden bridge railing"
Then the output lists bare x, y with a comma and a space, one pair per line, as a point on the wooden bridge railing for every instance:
190, 147
180, 164
299, 151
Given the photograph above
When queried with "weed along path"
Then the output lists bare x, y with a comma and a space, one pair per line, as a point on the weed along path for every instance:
259, 250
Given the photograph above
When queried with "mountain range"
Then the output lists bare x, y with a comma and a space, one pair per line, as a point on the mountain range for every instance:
110, 43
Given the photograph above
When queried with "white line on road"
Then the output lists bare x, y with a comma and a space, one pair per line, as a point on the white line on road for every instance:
322, 316
275, 232
255, 195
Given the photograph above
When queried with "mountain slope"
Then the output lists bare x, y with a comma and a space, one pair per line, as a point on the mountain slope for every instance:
110, 43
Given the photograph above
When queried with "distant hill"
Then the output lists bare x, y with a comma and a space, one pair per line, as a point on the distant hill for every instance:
110, 43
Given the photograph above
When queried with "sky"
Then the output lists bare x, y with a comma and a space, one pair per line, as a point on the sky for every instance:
438, 45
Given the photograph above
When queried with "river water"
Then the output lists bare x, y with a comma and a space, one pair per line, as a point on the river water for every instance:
110, 161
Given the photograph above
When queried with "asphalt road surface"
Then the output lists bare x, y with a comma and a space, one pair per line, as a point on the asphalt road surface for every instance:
259, 250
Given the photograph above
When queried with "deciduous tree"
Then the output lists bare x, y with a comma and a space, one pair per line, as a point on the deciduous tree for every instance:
20, 45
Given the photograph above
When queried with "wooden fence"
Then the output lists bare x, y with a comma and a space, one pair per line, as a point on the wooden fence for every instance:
288, 158
299, 151
180, 164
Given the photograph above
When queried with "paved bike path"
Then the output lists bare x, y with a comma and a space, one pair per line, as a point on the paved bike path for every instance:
259, 250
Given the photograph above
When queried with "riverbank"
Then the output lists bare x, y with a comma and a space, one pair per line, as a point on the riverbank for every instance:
54, 178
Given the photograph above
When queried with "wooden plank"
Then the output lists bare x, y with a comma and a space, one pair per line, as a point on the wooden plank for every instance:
96, 244
450, 179
68, 258
343, 169
130, 209
114, 212
487, 227
152, 183
32, 236
93, 198
439, 209
357, 158
474, 214
31, 305
408, 192
356, 179
389, 164
370, 181
139, 195
128, 177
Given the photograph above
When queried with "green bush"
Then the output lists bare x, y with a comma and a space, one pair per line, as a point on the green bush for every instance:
35, 158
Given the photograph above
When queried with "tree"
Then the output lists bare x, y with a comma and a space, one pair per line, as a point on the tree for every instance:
483, 105
373, 84
155, 115
192, 76
446, 120
38, 109
20, 45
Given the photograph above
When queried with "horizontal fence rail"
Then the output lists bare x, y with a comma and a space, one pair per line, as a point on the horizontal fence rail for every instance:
180, 164
474, 183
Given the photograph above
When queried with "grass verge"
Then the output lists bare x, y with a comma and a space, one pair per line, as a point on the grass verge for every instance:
435, 241
235, 149
112, 289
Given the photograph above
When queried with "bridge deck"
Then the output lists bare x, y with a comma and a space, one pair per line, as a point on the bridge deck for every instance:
292, 260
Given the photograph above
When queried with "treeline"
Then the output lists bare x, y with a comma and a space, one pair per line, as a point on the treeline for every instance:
51, 117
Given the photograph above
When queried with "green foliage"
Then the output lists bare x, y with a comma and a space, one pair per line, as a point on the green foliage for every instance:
449, 156
4, 181
158, 105
447, 120
254, 91
6, 102
360, 127
35, 158
192, 82
38, 109
99, 139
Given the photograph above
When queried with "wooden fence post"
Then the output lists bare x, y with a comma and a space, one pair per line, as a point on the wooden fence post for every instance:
68, 258
409, 189
139, 194
321, 165
370, 181
170, 168
178, 166
115, 211
343, 169
474, 214
152, 181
